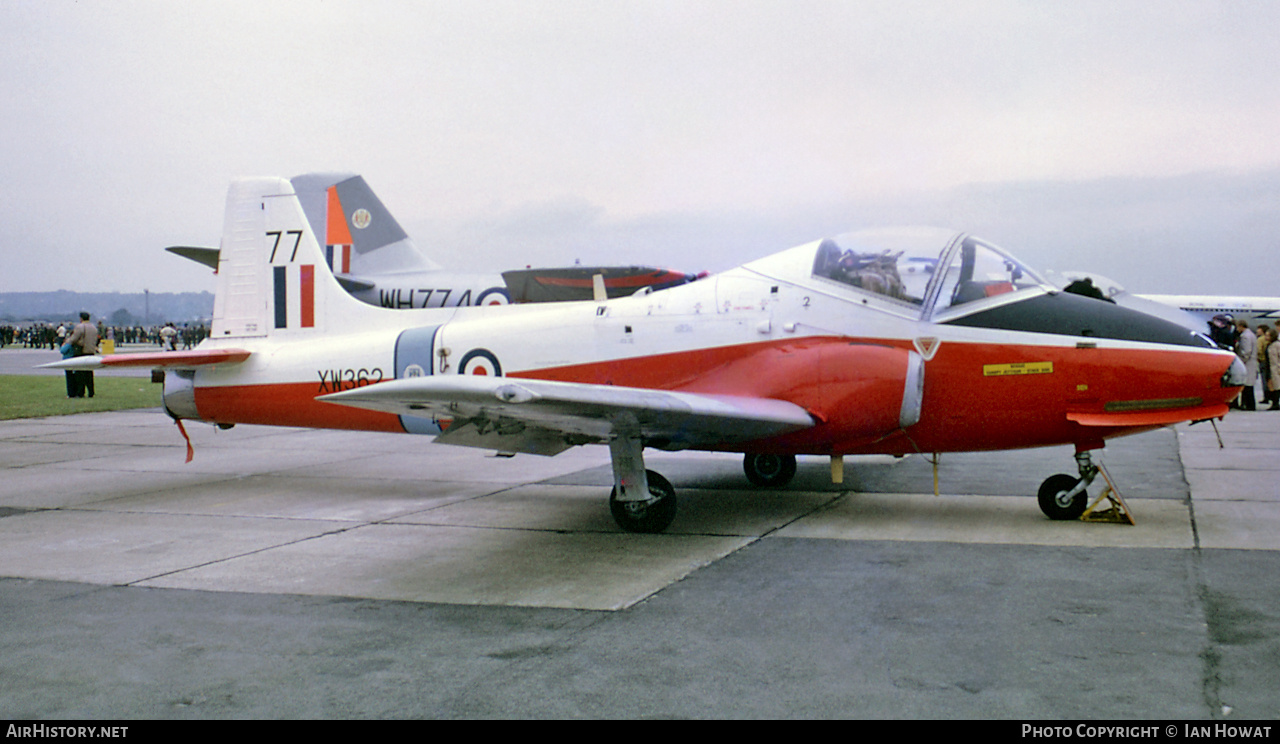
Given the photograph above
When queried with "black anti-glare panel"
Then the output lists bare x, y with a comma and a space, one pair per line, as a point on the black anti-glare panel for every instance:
1073, 315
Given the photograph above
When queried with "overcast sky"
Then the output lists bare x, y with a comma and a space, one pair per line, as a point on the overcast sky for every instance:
1136, 139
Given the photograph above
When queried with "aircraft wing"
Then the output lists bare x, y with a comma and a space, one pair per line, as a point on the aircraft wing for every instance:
159, 359
543, 417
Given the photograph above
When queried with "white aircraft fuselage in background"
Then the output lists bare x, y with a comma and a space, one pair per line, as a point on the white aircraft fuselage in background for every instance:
1195, 311
1254, 310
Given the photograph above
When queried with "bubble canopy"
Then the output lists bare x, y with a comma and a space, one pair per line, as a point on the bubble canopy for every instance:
921, 272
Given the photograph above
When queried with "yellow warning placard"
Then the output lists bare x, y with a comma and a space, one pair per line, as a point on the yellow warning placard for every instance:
1017, 368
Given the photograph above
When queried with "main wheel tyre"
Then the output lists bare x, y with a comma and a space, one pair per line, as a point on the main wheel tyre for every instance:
646, 516
769, 471
1053, 497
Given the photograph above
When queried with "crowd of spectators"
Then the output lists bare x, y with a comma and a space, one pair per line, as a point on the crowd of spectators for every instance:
51, 335
1260, 354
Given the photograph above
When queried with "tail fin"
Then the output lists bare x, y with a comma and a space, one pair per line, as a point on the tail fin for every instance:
272, 277
360, 235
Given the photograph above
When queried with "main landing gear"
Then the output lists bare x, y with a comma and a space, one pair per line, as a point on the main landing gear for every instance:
641, 500
644, 501
769, 471
653, 515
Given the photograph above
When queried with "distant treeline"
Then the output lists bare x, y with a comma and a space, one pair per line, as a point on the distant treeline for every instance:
112, 308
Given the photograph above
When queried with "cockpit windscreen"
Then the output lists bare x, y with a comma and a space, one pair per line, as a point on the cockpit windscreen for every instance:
979, 270
911, 272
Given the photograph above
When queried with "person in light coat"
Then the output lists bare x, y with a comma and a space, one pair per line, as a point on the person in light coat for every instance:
1273, 384
1247, 350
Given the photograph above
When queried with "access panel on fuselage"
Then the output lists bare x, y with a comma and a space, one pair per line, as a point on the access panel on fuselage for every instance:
415, 357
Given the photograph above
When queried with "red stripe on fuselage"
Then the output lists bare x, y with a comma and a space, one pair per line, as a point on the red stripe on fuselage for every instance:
288, 404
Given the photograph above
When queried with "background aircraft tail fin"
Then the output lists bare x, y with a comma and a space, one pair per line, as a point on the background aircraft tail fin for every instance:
355, 230
272, 274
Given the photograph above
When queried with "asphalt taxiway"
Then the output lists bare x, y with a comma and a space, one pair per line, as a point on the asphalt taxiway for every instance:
288, 573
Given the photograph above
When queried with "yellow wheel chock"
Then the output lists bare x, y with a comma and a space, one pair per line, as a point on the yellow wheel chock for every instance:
1117, 513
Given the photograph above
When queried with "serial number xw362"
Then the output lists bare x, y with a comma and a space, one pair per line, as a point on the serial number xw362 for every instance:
337, 380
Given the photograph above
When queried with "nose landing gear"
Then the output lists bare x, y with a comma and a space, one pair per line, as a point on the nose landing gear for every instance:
1062, 496
1065, 497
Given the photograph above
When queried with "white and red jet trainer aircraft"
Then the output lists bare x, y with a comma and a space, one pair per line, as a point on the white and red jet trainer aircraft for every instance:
888, 342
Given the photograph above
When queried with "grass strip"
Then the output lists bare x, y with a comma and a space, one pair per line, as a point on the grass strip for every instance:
35, 396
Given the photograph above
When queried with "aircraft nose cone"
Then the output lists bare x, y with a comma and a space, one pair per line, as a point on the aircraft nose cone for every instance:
1236, 375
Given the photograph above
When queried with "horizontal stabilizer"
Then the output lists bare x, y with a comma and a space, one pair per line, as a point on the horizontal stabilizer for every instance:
352, 284
158, 359
206, 256
510, 410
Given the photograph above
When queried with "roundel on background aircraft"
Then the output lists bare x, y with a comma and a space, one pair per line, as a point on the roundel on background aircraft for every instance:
480, 362
493, 296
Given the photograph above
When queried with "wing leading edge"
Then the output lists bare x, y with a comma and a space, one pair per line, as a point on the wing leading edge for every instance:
545, 417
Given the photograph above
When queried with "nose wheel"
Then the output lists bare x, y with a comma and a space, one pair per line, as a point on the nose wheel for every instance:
1060, 499
1065, 497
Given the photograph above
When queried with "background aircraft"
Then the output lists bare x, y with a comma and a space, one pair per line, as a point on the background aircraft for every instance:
881, 342
378, 263
1204, 307
372, 256
1195, 311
